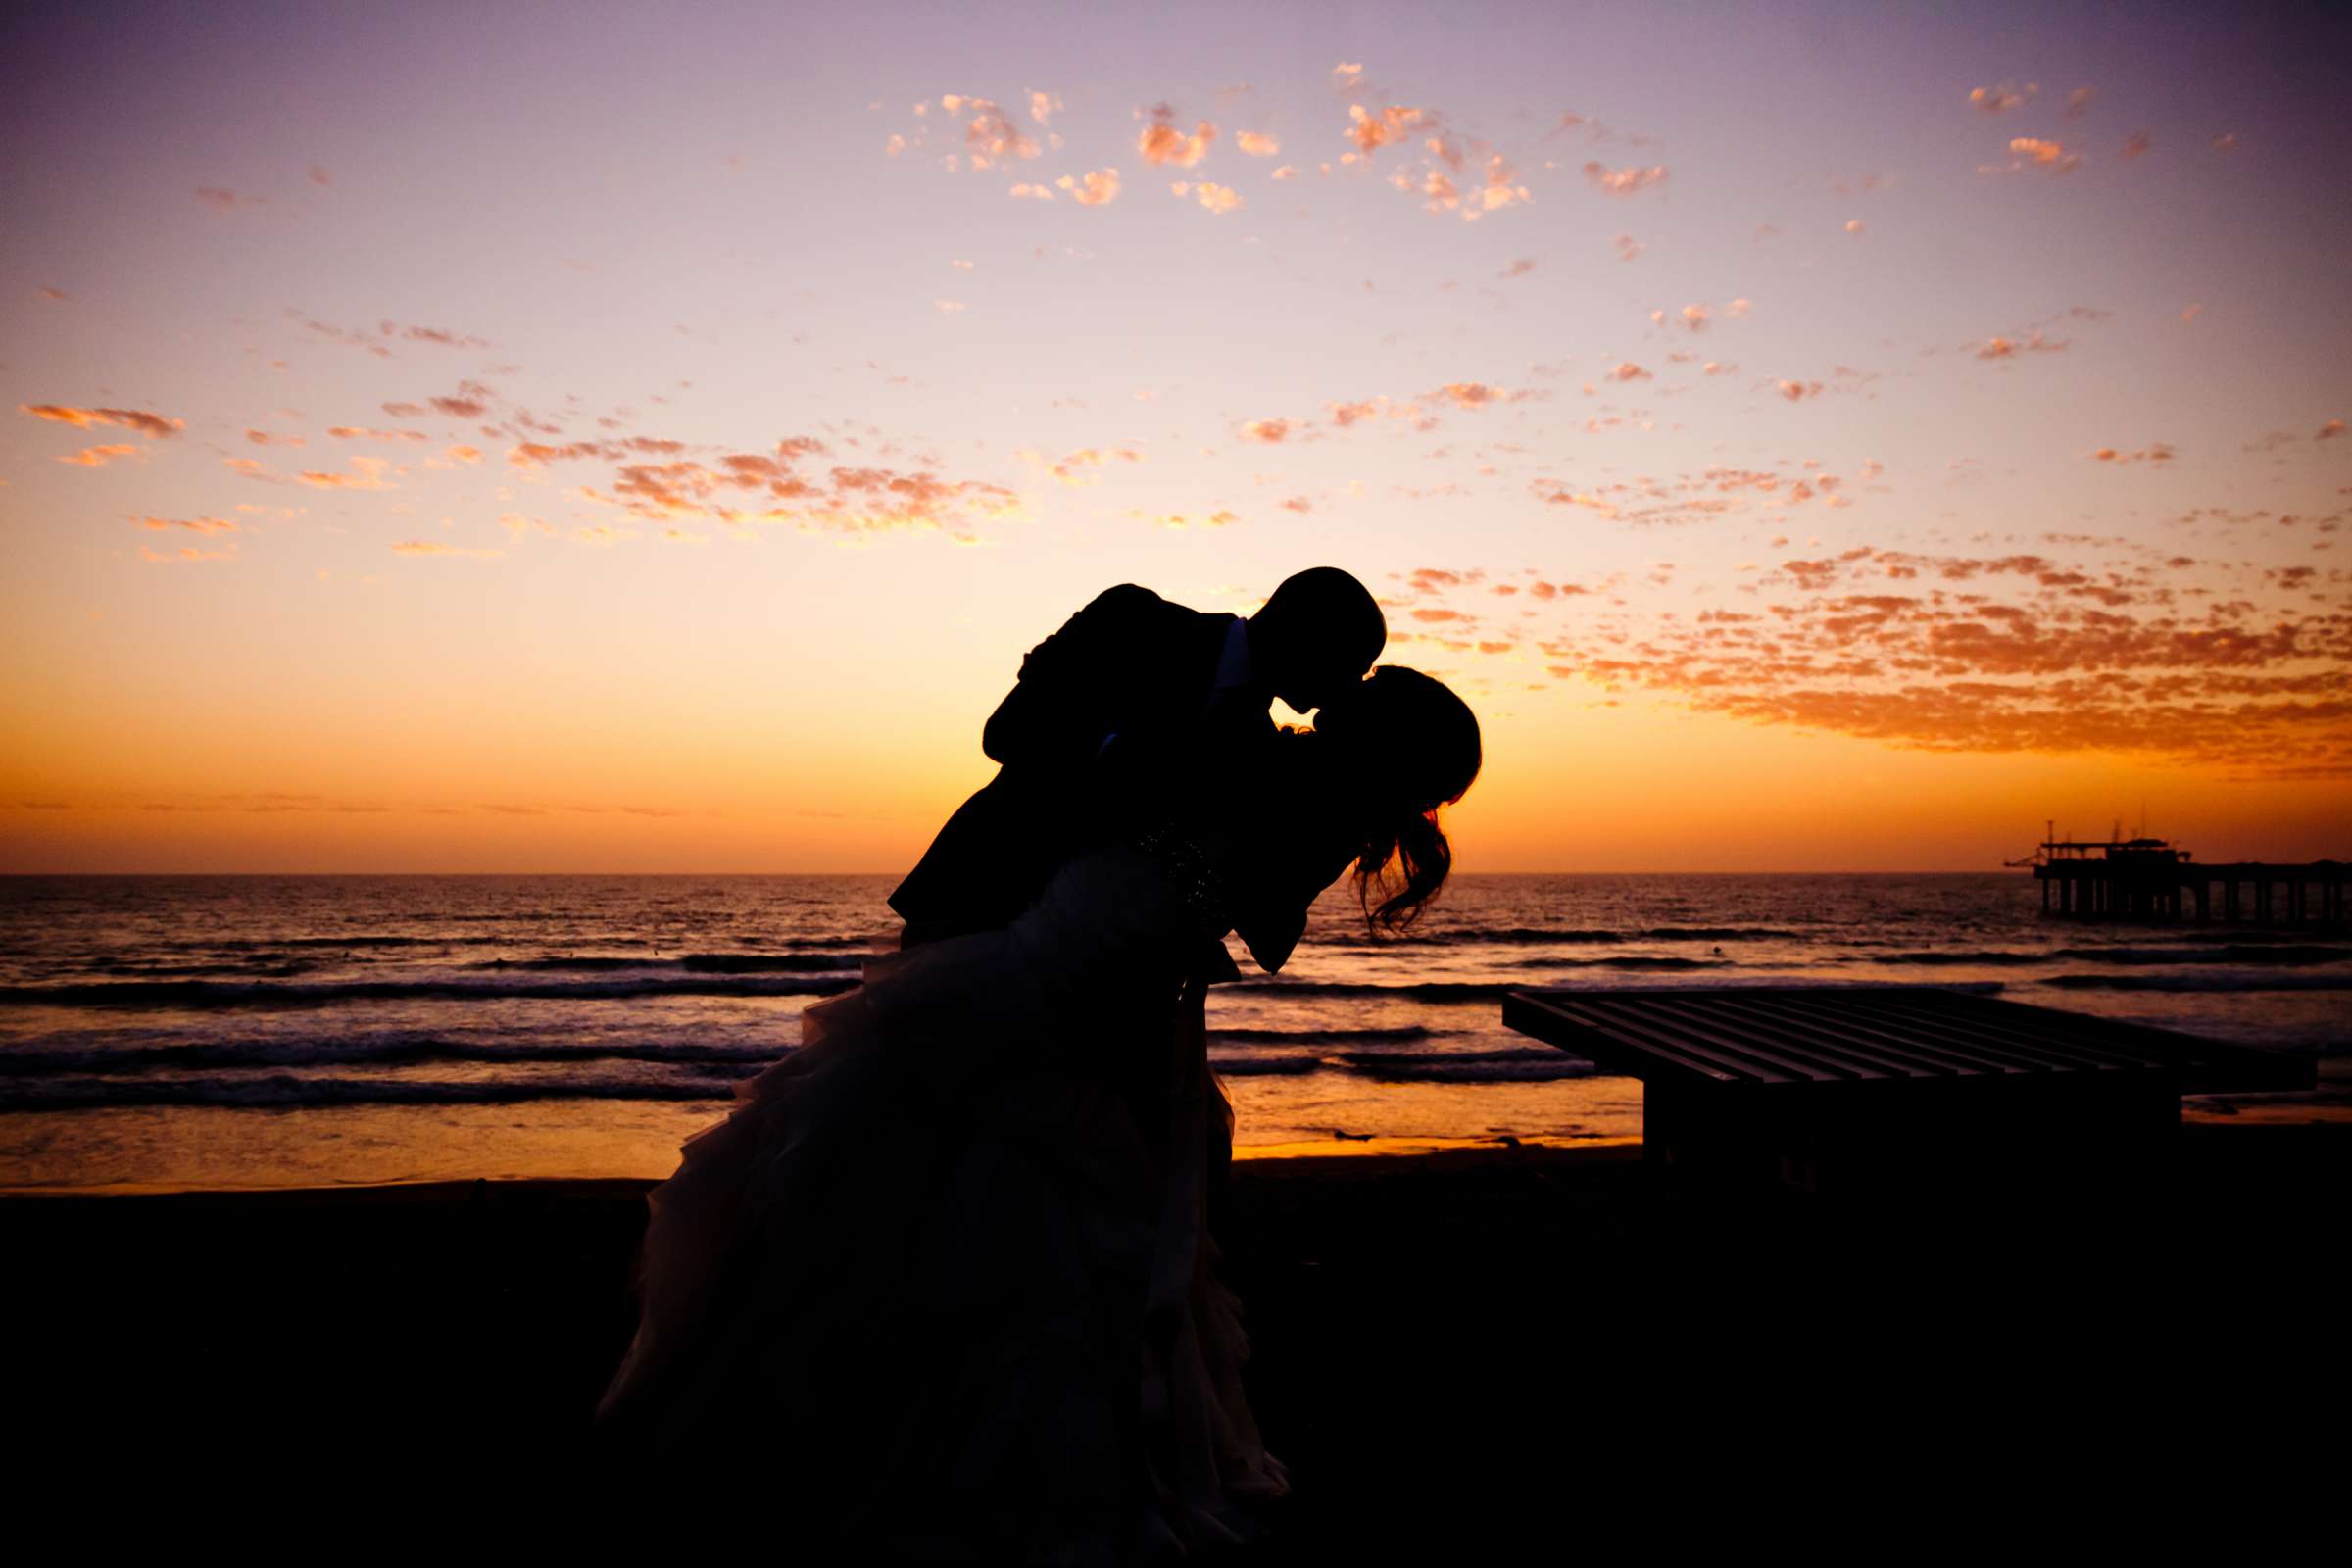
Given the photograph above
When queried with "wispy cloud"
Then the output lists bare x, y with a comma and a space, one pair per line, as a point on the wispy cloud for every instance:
153, 426
100, 456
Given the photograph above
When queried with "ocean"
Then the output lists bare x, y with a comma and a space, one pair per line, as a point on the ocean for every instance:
258, 1031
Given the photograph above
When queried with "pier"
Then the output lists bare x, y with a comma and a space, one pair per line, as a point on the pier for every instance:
2151, 879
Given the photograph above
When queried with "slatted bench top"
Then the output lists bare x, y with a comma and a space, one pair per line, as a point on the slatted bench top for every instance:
1737, 1040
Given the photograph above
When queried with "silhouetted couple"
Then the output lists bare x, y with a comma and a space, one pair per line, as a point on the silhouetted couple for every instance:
943, 1280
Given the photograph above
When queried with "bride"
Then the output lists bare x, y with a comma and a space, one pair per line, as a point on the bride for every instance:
940, 1281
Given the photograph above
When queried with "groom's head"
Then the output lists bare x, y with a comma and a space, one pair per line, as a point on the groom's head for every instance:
1316, 636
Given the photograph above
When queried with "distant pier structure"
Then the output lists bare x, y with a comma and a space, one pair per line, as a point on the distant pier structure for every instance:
2152, 879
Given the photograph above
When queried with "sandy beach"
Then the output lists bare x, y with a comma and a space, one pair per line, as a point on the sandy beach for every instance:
1467, 1347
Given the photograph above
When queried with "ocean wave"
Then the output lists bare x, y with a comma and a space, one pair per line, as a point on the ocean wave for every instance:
1469, 1066
1941, 959
2229, 953
2202, 982
281, 1091
691, 963
1517, 936
373, 1049
363, 940
1417, 990
1317, 1037
2277, 953
285, 970
1264, 1066
470, 988
1630, 961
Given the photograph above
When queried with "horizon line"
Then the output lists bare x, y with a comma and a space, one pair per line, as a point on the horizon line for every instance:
1545, 872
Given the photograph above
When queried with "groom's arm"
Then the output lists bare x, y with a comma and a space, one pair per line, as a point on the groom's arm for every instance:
1056, 710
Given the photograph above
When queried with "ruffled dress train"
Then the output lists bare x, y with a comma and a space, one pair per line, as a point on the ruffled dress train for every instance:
942, 1283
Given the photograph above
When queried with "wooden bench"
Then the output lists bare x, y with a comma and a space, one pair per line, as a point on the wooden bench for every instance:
1895, 1090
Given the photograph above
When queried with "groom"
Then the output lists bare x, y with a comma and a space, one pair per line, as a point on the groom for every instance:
1128, 681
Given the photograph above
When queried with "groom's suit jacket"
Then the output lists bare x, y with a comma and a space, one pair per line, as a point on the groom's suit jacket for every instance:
1106, 713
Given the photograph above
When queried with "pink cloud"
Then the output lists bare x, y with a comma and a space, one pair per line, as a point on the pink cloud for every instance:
153, 426
1624, 181
1160, 142
100, 456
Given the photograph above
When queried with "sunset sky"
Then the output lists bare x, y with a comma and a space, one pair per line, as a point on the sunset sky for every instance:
647, 438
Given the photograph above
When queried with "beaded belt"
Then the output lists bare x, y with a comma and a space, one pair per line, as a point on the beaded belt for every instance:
1191, 873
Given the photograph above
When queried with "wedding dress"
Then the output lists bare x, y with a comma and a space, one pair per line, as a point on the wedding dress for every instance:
941, 1281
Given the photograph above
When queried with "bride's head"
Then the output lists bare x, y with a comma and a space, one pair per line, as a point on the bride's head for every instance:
1404, 745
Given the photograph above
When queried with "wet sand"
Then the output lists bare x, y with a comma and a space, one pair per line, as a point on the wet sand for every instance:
1454, 1352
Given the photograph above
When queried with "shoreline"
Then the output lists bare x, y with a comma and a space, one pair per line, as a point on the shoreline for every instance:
1345, 1151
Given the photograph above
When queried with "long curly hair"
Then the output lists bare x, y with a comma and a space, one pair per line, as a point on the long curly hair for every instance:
1416, 746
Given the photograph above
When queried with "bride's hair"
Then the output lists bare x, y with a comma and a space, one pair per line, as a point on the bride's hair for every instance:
1416, 747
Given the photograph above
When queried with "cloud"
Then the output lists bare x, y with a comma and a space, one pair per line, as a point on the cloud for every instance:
2002, 348
1853, 225
153, 426
1285, 172
1796, 391
1083, 466
2037, 152
1268, 432
191, 524
1371, 133
186, 552
430, 547
1628, 247
2001, 99
1259, 145
1624, 181
774, 489
2138, 142
1518, 268
2078, 102
1098, 189
100, 456
2161, 452
948, 307
368, 477
991, 138
2051, 657
1043, 106
1160, 142
357, 432
1178, 519
1344, 415
435, 334
2331, 430
1218, 199
1025, 191
223, 200
1627, 370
